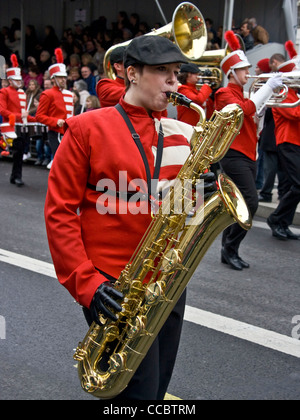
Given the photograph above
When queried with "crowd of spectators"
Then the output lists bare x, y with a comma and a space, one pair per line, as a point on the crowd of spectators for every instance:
83, 47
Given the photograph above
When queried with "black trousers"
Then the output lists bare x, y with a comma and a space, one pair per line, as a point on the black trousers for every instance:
151, 380
54, 139
242, 171
272, 168
289, 157
17, 155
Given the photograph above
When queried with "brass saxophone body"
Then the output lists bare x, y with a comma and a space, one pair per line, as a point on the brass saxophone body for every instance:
166, 258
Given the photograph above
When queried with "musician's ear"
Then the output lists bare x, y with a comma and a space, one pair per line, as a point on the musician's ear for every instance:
131, 73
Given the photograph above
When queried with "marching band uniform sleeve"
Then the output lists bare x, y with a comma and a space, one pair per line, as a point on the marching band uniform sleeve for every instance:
287, 121
199, 97
52, 108
73, 267
110, 91
43, 110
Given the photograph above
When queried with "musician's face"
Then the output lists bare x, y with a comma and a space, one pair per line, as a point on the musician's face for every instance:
151, 85
61, 82
242, 75
192, 78
17, 84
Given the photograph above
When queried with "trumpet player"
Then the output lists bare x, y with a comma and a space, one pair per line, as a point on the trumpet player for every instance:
188, 77
287, 128
267, 142
240, 161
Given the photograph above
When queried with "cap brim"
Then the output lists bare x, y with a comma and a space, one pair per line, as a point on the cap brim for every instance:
241, 66
14, 78
59, 74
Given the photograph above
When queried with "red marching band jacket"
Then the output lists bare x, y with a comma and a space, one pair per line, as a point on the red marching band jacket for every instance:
246, 141
287, 121
55, 105
13, 101
110, 91
200, 97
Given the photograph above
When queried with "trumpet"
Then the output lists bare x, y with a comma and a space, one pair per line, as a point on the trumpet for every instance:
290, 80
210, 60
210, 76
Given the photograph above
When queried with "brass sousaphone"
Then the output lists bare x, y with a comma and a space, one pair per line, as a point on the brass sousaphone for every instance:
187, 30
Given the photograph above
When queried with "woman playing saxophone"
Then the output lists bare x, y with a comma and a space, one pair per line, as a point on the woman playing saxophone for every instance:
106, 171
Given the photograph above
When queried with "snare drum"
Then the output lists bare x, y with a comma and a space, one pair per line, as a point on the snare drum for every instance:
20, 129
45, 132
35, 129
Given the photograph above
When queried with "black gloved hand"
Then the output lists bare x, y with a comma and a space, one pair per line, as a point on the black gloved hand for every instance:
210, 184
103, 301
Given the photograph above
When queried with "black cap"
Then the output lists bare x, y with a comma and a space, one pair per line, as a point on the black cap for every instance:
152, 50
117, 55
189, 68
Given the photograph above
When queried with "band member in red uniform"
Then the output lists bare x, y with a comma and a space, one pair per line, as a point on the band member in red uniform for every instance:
240, 161
287, 128
92, 247
56, 104
109, 91
13, 108
188, 77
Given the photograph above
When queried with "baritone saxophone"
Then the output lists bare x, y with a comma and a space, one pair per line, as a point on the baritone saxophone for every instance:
168, 254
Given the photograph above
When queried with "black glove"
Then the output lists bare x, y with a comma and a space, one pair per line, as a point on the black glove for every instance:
103, 301
210, 184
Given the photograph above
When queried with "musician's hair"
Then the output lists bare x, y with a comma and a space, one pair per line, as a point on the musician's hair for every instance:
279, 57
182, 77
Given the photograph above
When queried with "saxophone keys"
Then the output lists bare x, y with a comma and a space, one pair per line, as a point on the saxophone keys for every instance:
117, 362
137, 327
111, 333
80, 354
136, 287
171, 261
155, 292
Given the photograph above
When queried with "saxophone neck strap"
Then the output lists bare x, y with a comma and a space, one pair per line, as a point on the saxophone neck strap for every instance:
137, 140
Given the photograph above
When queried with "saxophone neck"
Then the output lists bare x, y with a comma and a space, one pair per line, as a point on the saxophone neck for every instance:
178, 99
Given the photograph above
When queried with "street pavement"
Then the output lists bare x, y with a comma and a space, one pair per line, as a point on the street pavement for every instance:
241, 334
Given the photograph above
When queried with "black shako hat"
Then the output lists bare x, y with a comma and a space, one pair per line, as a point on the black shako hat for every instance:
152, 50
189, 68
117, 55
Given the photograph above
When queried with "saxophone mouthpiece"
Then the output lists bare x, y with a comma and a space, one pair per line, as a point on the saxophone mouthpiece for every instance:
178, 99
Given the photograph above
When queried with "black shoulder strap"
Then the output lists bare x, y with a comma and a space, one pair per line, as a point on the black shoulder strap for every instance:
139, 145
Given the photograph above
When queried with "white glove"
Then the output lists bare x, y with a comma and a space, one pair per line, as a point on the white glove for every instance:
261, 97
275, 81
